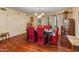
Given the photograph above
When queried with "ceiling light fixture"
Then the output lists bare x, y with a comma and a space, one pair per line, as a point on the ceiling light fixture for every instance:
39, 14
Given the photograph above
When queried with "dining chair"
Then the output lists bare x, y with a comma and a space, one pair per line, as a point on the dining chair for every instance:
48, 27
54, 38
40, 32
31, 34
27, 35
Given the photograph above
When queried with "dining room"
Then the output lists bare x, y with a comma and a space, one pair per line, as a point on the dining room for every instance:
38, 29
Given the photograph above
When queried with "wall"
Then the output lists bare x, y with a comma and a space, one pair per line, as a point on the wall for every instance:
3, 21
76, 18
12, 21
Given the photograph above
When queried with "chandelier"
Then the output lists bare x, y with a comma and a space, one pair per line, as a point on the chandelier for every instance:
39, 14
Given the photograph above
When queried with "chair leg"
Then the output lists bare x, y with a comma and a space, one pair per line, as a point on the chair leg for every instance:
33, 39
42, 42
38, 42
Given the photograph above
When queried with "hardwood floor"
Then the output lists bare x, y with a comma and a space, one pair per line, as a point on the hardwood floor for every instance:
20, 44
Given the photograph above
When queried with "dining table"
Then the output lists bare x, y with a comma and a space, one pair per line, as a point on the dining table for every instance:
47, 35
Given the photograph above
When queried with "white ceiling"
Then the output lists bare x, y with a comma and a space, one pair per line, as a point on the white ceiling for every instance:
32, 10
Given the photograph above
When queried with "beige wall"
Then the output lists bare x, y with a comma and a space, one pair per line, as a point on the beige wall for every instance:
12, 21
76, 17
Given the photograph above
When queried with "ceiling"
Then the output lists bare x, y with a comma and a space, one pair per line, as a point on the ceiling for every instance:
32, 10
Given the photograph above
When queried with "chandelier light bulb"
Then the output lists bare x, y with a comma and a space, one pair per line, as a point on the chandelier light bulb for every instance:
35, 14
43, 14
39, 16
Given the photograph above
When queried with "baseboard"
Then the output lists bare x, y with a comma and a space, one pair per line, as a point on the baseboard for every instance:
17, 35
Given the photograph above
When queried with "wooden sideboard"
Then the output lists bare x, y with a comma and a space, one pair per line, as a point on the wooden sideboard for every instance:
69, 31
64, 42
71, 28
